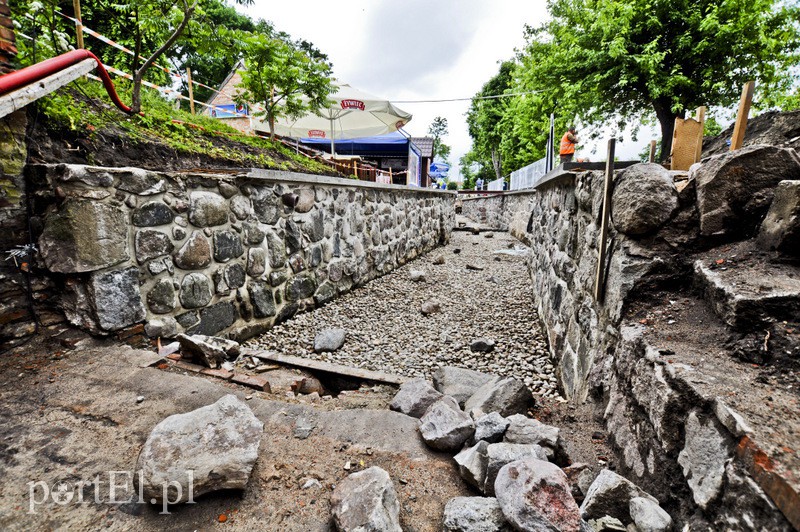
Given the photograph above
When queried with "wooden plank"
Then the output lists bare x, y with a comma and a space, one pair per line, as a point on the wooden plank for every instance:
191, 89
76, 6
652, 157
701, 117
599, 282
327, 367
741, 116
30, 93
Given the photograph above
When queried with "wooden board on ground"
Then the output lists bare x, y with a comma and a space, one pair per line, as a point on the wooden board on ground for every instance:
30, 93
688, 134
327, 367
602, 245
741, 116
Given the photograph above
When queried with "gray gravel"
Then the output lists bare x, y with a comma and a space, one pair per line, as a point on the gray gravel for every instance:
387, 332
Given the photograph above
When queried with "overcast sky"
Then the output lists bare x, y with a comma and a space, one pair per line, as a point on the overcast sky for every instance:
412, 49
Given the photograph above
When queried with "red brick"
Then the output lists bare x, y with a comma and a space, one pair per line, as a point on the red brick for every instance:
259, 383
8, 47
7, 34
218, 373
131, 331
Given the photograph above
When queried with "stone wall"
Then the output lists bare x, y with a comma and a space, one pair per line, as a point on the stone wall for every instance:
217, 254
673, 432
8, 43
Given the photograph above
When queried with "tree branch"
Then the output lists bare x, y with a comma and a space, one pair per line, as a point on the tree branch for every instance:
187, 14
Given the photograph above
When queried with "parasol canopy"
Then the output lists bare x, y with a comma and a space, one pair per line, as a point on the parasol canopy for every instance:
353, 114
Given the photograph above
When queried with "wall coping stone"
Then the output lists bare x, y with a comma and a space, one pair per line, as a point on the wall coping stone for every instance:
283, 176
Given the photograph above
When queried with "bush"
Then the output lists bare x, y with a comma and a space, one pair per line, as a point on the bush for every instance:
452, 185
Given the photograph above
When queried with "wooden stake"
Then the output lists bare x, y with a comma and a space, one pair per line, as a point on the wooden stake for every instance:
76, 6
652, 157
599, 283
191, 89
741, 116
701, 117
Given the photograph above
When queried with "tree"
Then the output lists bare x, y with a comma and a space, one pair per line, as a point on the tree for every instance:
438, 130
283, 79
604, 59
485, 115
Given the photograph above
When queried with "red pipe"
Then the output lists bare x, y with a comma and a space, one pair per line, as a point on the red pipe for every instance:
26, 76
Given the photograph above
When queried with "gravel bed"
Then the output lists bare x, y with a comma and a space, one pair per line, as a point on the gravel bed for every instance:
387, 332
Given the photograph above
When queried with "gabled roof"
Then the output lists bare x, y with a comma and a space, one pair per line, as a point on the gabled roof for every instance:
238, 66
424, 144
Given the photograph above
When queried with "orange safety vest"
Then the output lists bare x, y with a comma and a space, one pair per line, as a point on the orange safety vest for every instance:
567, 147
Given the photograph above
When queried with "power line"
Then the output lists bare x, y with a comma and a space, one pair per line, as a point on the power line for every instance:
492, 97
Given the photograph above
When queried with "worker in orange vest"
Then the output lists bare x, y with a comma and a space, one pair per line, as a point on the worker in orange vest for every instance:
568, 142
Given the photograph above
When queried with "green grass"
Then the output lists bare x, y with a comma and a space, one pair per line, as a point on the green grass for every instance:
84, 107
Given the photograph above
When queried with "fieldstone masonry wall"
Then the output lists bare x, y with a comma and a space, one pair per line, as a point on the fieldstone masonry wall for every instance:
216, 254
675, 438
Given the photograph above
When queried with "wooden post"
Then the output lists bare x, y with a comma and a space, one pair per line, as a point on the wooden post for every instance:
76, 6
652, 157
701, 117
599, 283
741, 116
191, 89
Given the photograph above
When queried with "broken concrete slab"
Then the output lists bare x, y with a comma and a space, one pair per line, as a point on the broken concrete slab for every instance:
747, 296
210, 350
366, 501
221, 456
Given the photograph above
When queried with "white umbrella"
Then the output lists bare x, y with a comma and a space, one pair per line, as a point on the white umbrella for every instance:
354, 114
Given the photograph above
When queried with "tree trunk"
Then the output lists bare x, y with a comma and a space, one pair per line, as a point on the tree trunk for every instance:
666, 119
497, 163
271, 120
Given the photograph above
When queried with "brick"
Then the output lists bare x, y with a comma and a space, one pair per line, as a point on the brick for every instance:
188, 366
7, 23
131, 331
259, 383
7, 34
8, 47
4, 9
218, 373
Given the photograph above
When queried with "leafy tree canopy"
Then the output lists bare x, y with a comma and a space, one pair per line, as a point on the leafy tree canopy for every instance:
438, 130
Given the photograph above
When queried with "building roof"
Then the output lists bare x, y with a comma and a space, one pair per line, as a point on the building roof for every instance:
425, 145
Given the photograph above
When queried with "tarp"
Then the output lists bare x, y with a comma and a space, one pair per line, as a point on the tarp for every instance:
389, 145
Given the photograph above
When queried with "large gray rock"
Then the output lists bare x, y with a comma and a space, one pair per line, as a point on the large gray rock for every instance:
534, 495
474, 514
703, 459
644, 199
459, 383
735, 190
151, 214
195, 290
329, 340
227, 246
161, 298
211, 448
472, 463
116, 298
522, 429
648, 516
610, 494
445, 426
366, 502
210, 350
506, 396
262, 299
491, 428
414, 398
84, 236
207, 209
150, 244
500, 454
780, 230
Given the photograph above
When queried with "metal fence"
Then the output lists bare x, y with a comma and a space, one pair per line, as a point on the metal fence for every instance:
527, 177
497, 184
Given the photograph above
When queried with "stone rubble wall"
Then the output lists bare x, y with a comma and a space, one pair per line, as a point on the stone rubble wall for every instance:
682, 446
226, 255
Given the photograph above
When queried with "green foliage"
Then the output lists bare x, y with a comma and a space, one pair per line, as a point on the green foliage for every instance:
452, 185
484, 119
615, 62
283, 79
438, 130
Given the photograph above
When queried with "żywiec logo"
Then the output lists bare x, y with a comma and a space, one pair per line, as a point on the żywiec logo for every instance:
316, 134
353, 104
120, 488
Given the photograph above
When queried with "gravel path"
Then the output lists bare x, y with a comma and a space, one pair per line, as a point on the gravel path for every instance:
387, 332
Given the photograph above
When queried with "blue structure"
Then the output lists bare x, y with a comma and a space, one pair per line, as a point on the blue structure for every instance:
390, 145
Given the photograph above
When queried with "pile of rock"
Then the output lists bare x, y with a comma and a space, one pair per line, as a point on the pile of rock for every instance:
513, 460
